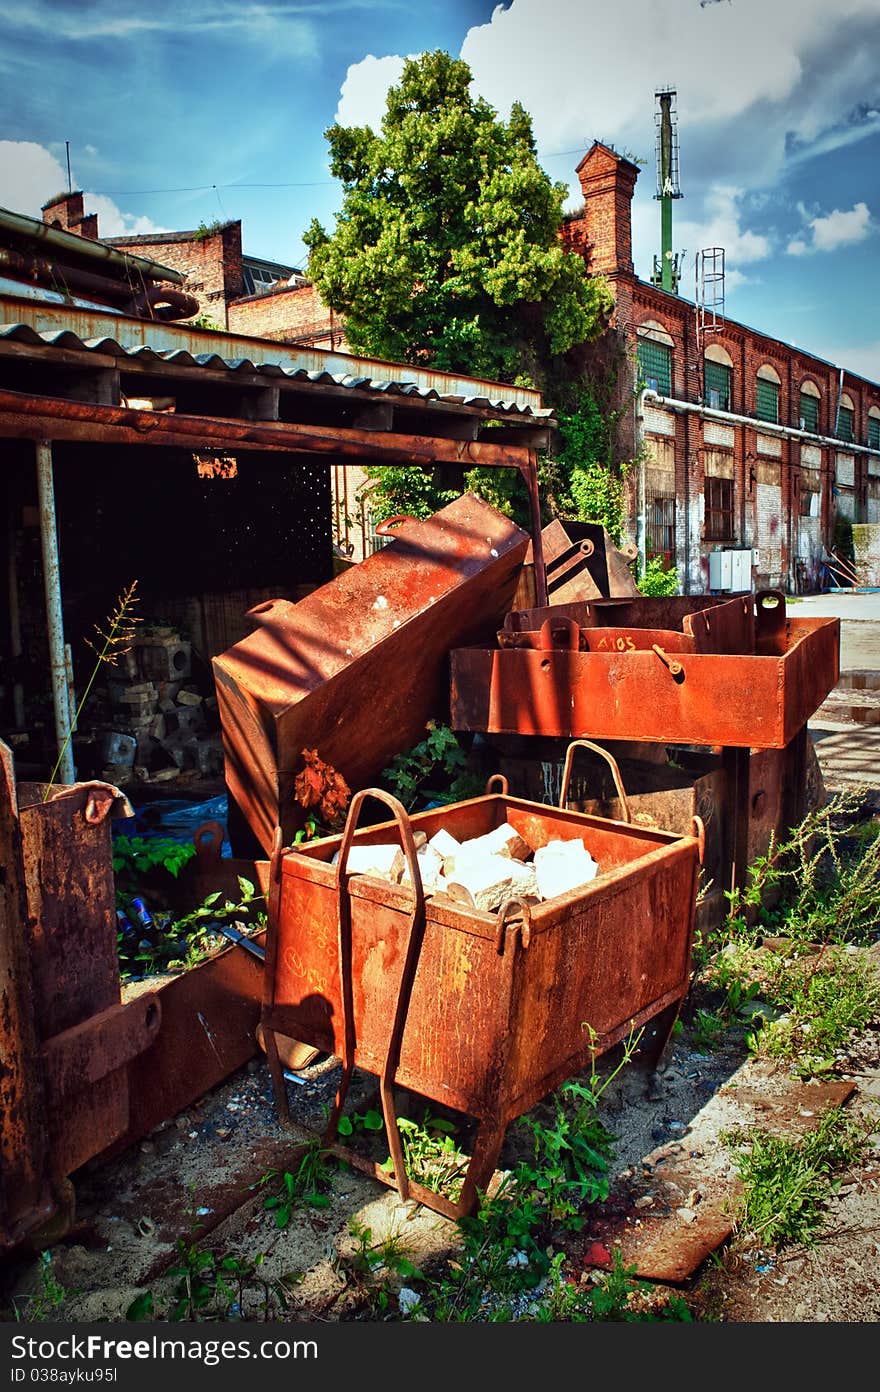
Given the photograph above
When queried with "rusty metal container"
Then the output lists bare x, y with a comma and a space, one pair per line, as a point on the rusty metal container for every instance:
738, 673
484, 1013
357, 668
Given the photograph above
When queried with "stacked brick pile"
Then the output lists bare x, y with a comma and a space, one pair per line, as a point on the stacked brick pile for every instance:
157, 726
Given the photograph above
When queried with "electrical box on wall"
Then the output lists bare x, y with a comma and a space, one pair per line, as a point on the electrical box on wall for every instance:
730, 570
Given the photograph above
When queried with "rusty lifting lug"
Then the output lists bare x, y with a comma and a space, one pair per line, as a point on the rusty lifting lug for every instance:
507, 922
675, 668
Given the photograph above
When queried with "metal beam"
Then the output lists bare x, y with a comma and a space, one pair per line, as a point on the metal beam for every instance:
37, 418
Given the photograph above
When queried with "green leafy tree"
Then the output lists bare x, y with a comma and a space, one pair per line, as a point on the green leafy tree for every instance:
447, 251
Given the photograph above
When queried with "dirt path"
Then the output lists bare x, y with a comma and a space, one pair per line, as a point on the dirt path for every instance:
671, 1211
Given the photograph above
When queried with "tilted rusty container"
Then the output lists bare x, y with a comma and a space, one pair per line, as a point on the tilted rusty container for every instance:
357, 667
475, 1010
727, 677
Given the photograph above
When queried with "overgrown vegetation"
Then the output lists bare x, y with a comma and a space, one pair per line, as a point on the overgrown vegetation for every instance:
784, 971
434, 770
788, 1182
162, 941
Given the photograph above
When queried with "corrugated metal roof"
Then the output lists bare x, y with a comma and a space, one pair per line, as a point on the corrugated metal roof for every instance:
109, 345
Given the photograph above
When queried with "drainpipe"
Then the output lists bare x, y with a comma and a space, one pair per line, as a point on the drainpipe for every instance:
762, 427
55, 627
641, 503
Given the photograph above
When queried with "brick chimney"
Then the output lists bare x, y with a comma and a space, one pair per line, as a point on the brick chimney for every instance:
66, 212
607, 182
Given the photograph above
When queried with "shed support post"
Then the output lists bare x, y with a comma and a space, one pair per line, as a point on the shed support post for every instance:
54, 623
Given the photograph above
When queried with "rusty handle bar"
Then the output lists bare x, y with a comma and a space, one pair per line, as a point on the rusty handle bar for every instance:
387, 527
675, 668
612, 764
407, 975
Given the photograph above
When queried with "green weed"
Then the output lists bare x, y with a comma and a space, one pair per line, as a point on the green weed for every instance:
787, 1183
306, 1186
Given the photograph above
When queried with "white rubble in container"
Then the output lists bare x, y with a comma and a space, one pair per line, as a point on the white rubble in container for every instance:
561, 866
505, 840
386, 861
446, 847
489, 881
430, 863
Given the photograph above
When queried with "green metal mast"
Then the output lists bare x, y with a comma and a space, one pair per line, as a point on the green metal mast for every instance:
666, 271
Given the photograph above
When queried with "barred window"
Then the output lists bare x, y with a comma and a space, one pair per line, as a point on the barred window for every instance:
719, 509
661, 525
767, 400
718, 385
655, 365
808, 411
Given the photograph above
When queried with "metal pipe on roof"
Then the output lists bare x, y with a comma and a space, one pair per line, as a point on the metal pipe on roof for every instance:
54, 621
32, 228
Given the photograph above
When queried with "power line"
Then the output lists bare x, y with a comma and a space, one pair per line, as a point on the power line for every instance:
206, 188
202, 188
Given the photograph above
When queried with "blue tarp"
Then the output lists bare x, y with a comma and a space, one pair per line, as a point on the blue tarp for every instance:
175, 818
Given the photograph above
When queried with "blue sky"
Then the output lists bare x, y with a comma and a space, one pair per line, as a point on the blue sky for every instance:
778, 115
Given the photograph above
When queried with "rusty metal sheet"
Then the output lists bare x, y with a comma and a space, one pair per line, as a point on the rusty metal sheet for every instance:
209, 1020
85, 1054
72, 908
497, 1016
357, 667
25, 1195
582, 563
745, 701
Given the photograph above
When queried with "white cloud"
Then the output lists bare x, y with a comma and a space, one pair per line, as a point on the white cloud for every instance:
863, 359
363, 93
833, 230
283, 27
30, 174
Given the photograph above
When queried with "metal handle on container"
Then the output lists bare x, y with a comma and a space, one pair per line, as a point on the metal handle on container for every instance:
610, 761
561, 634
405, 985
386, 528
699, 830
497, 778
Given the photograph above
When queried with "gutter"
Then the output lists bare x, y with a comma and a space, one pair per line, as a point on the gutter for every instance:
34, 230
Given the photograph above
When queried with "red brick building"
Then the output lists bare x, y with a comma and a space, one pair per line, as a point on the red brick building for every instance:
242, 293
747, 444
750, 444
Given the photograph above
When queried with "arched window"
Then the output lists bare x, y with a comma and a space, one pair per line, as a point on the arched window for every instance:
874, 427
767, 394
717, 377
846, 418
654, 347
808, 407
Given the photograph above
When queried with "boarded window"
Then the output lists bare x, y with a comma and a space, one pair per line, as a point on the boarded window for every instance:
809, 413
655, 365
845, 423
718, 385
767, 400
874, 432
719, 509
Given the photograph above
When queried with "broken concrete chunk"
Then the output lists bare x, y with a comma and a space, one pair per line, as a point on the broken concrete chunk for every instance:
561, 866
386, 861
489, 881
444, 844
430, 864
504, 841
